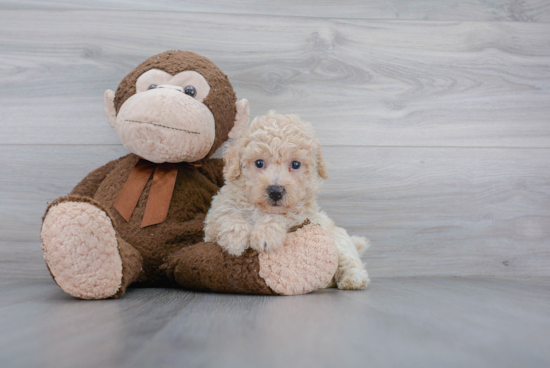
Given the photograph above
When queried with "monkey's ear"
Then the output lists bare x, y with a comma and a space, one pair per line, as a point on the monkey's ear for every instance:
321, 166
232, 163
110, 110
241, 119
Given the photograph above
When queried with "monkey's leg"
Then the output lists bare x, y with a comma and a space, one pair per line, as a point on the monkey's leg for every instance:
306, 262
84, 253
207, 267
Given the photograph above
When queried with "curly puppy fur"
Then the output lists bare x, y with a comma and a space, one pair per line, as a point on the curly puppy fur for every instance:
261, 201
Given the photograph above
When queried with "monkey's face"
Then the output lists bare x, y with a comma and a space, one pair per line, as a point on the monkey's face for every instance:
166, 120
176, 106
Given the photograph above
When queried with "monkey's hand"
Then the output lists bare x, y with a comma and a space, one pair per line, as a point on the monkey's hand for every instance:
268, 234
233, 236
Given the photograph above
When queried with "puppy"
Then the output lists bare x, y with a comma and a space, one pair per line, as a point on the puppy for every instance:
272, 175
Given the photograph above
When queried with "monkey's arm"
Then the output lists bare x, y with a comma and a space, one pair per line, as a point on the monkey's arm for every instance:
212, 168
307, 262
89, 185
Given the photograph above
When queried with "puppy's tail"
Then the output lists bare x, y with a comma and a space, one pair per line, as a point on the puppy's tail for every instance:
361, 243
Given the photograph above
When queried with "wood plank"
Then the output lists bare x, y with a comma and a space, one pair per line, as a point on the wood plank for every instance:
375, 83
33, 176
445, 211
422, 320
431, 323
22, 261
428, 211
472, 10
59, 329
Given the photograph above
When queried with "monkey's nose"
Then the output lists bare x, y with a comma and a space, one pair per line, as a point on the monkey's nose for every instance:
275, 192
169, 86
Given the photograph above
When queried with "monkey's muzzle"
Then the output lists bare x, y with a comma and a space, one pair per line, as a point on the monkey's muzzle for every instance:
166, 125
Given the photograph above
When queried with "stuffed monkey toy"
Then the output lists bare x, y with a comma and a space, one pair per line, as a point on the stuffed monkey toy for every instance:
139, 219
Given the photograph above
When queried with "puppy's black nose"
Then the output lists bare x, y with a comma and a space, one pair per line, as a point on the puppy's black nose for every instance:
275, 192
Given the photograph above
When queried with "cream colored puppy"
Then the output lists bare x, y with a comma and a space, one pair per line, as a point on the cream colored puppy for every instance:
272, 175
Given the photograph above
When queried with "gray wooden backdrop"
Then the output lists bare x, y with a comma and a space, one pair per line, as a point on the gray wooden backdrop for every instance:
435, 118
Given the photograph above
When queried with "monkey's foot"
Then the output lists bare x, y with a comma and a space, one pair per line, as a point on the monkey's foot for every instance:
81, 250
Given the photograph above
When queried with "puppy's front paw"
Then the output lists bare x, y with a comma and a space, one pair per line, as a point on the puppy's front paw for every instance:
353, 279
235, 239
267, 237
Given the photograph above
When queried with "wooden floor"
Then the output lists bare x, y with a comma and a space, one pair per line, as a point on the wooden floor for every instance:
435, 122
398, 322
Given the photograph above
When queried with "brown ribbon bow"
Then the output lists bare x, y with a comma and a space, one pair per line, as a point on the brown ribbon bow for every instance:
160, 194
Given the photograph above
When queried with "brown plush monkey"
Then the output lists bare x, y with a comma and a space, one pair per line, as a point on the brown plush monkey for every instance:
140, 218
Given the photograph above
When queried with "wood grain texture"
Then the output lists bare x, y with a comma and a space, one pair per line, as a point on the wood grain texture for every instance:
397, 322
434, 118
428, 211
469, 10
22, 261
374, 83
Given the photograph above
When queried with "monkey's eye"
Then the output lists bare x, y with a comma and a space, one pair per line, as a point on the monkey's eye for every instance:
296, 165
152, 86
259, 164
190, 90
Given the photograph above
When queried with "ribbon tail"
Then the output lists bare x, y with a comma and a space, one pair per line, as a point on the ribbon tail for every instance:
160, 194
129, 195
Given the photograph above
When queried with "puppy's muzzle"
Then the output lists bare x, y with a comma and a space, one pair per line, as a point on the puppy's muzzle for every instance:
275, 192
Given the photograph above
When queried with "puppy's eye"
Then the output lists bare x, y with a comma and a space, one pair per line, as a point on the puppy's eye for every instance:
296, 165
259, 164
152, 86
190, 90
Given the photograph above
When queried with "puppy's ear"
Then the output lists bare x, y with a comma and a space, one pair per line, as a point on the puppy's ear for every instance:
232, 163
321, 166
